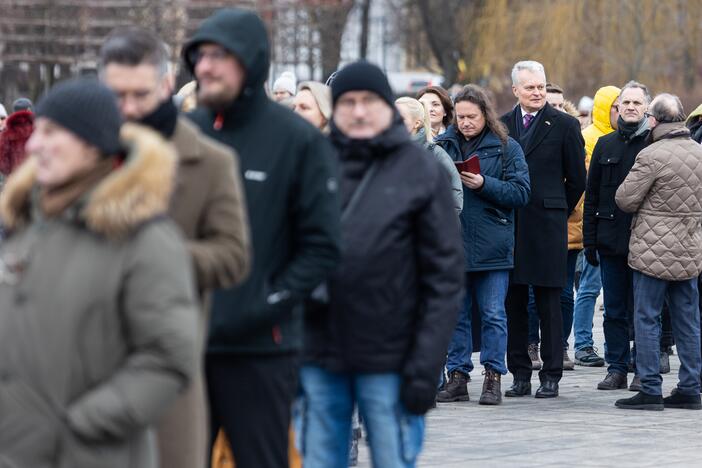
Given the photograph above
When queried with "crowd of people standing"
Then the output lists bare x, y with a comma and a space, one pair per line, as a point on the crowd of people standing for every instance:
269, 269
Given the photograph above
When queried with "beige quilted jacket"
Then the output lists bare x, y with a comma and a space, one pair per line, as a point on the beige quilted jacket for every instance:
664, 190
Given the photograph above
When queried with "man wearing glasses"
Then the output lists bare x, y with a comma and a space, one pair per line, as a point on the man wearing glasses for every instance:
606, 228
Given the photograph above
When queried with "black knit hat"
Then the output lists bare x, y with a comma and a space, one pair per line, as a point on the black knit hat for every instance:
362, 76
86, 108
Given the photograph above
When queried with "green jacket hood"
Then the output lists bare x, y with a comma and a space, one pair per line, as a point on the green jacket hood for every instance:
694, 114
243, 34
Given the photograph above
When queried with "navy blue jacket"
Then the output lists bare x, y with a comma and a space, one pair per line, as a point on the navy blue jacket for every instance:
487, 218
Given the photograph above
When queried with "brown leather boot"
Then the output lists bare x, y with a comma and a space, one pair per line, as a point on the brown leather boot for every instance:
492, 391
456, 389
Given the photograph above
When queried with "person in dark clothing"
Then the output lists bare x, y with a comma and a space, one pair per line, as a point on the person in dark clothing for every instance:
606, 228
207, 205
488, 238
380, 341
289, 173
555, 152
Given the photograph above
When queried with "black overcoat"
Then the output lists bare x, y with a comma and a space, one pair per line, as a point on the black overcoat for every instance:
555, 154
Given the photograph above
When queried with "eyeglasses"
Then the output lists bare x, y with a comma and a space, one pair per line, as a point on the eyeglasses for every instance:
648, 114
216, 55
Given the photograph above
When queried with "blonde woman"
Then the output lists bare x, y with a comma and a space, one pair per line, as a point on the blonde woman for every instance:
417, 123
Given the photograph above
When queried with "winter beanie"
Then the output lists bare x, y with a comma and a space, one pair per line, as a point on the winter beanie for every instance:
3, 112
86, 108
22, 104
321, 94
362, 76
286, 82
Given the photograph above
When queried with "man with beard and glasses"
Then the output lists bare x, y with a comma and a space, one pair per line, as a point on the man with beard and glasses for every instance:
290, 181
207, 204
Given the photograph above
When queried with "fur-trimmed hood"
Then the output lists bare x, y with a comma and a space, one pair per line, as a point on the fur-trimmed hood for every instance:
137, 191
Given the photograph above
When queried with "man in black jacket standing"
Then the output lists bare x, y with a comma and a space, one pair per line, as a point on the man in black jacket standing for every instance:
290, 182
606, 228
555, 152
381, 339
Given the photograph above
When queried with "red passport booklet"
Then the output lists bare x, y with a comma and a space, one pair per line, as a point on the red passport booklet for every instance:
472, 164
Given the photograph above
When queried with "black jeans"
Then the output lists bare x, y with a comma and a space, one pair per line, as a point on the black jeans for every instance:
251, 399
548, 306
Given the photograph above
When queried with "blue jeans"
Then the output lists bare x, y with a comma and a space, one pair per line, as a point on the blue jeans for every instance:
394, 435
487, 290
618, 301
566, 304
683, 297
589, 290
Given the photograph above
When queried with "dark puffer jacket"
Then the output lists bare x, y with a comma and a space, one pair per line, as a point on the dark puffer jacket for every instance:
395, 296
488, 214
289, 174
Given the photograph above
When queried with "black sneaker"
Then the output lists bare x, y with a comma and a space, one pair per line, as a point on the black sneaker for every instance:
456, 389
588, 357
641, 401
680, 401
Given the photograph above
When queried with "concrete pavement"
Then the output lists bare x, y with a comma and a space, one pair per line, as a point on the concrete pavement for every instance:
581, 428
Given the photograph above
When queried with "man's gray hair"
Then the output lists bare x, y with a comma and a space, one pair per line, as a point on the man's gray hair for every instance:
667, 108
530, 65
635, 84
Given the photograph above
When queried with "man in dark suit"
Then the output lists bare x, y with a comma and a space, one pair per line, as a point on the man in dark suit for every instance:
554, 150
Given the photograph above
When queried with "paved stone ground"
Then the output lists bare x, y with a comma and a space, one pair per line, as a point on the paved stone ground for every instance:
581, 428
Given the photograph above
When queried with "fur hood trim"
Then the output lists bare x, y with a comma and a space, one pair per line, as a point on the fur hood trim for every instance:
132, 194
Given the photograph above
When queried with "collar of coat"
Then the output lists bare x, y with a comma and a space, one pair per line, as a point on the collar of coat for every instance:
670, 130
132, 194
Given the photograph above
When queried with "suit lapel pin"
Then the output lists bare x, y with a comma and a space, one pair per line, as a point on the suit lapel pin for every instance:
548, 123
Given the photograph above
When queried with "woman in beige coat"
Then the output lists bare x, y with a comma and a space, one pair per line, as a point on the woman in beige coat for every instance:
97, 303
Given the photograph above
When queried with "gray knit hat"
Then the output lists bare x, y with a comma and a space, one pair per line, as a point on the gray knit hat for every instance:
86, 108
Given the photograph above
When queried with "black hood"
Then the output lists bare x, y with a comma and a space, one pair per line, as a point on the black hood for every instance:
243, 34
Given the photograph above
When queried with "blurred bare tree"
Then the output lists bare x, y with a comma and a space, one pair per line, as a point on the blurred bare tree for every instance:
583, 45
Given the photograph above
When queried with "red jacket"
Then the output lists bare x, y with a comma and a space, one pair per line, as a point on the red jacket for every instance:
19, 127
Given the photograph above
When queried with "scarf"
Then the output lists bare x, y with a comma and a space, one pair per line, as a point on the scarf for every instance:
54, 201
163, 119
630, 130
468, 146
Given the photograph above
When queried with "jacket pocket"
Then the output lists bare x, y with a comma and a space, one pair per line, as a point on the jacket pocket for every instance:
557, 203
610, 170
498, 216
29, 427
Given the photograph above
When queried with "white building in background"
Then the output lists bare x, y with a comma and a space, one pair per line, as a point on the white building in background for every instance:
384, 49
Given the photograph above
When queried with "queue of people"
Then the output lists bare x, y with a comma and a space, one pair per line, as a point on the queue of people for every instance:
171, 280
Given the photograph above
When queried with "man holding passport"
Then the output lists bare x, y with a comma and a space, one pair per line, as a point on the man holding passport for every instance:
496, 178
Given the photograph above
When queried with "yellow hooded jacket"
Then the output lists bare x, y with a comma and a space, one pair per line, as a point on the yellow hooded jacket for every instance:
604, 98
